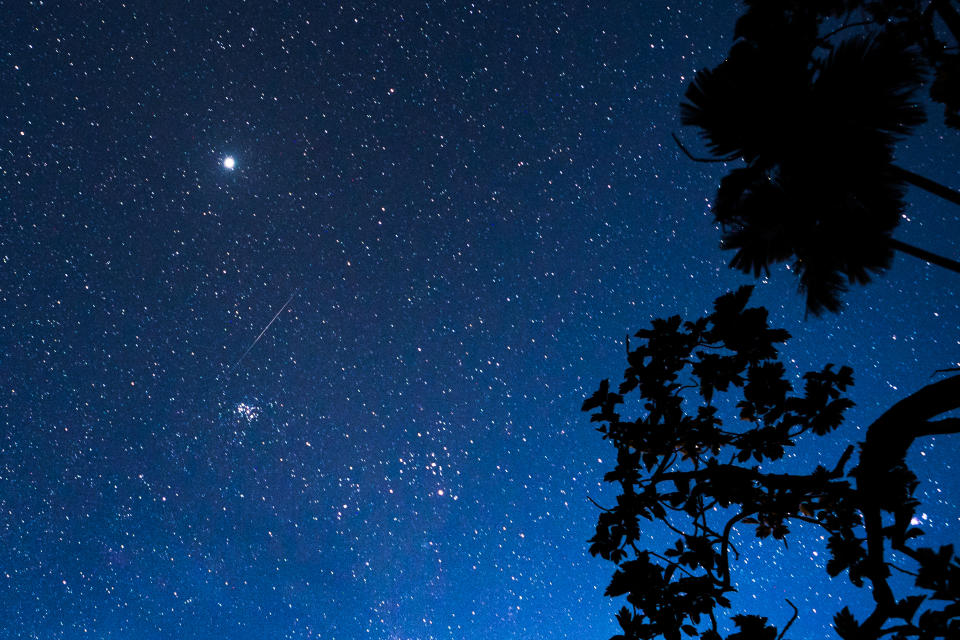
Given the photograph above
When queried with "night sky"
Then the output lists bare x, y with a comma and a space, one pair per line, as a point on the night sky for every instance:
465, 207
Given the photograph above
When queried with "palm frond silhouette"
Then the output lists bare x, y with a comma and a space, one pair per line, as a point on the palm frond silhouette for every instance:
818, 137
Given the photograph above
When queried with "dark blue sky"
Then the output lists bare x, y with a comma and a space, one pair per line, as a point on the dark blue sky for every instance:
471, 205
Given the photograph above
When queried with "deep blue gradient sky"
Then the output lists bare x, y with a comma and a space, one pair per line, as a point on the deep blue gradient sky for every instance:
471, 205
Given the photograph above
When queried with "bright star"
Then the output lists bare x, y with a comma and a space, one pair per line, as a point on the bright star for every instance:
229, 162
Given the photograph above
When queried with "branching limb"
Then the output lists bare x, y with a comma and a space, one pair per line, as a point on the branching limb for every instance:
889, 437
885, 447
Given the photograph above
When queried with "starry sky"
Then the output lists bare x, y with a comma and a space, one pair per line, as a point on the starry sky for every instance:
446, 215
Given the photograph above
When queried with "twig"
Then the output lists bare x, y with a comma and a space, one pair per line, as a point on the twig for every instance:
670, 562
677, 531
598, 506
951, 370
729, 158
909, 573
810, 520
862, 23
792, 619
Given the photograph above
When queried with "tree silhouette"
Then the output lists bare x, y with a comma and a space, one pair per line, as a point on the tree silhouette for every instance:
682, 469
815, 121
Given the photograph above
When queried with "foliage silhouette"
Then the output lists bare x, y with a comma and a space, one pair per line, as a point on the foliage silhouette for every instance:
683, 471
815, 118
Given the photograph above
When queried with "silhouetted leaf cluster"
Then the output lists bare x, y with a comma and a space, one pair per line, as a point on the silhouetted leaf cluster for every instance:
682, 469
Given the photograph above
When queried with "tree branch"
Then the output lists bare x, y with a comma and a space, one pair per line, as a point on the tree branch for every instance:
949, 16
767, 480
793, 618
945, 426
910, 418
901, 570
810, 520
951, 370
927, 256
851, 25
729, 158
597, 505
676, 565
926, 184
725, 544
884, 449
838, 470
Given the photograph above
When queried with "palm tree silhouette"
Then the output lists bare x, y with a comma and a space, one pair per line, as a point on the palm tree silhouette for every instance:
817, 136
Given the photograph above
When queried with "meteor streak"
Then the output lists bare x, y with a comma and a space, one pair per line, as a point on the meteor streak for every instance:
277, 315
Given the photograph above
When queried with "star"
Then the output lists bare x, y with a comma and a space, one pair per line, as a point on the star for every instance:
229, 162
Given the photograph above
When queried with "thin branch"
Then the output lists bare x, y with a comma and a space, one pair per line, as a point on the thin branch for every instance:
793, 618
953, 370
905, 550
707, 345
729, 158
909, 573
862, 23
927, 256
670, 562
700, 516
598, 506
799, 432
926, 184
810, 520
707, 530
667, 462
900, 628
673, 528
